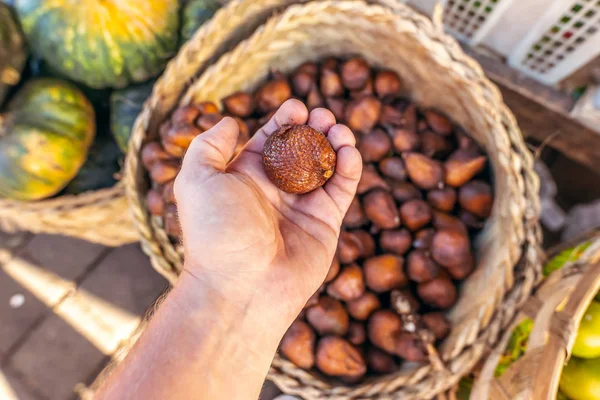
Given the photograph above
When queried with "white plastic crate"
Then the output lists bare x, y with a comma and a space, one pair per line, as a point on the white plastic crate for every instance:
471, 20
562, 41
545, 39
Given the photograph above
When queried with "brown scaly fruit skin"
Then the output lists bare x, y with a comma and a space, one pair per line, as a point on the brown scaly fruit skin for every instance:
298, 159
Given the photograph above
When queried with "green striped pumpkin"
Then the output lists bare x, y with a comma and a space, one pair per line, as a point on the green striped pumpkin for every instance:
45, 135
13, 52
195, 14
125, 105
100, 168
102, 43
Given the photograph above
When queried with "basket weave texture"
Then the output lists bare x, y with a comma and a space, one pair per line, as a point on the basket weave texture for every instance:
101, 216
537, 374
437, 74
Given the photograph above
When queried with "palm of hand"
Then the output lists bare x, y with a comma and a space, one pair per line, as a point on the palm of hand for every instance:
244, 232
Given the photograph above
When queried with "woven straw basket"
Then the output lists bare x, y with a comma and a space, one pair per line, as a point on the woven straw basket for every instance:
436, 73
100, 216
536, 375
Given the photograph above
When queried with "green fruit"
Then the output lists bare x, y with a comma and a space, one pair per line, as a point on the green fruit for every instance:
125, 105
580, 379
102, 43
516, 347
195, 14
13, 51
566, 256
587, 343
100, 168
561, 396
45, 136
465, 387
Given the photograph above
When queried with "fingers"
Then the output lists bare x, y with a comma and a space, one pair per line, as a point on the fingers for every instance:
209, 152
342, 185
291, 112
321, 120
340, 136
330, 203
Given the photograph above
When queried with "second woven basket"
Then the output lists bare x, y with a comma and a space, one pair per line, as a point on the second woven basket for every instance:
436, 74
100, 216
554, 313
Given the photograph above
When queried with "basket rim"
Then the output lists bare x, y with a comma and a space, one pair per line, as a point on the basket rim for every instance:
101, 216
72, 200
529, 260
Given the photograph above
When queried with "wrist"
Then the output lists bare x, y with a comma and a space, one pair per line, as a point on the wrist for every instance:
257, 294
200, 336
226, 334
235, 308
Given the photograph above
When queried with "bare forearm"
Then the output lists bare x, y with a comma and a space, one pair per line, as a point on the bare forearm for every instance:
198, 345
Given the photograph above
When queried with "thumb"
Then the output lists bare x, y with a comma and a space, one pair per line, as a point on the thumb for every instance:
210, 151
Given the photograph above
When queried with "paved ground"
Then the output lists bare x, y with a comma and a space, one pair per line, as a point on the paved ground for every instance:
66, 306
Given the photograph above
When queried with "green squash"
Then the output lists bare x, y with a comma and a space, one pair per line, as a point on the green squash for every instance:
587, 343
580, 379
45, 136
102, 43
125, 105
100, 169
13, 52
195, 14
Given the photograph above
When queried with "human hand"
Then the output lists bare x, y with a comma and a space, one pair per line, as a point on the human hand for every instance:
253, 257
248, 241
